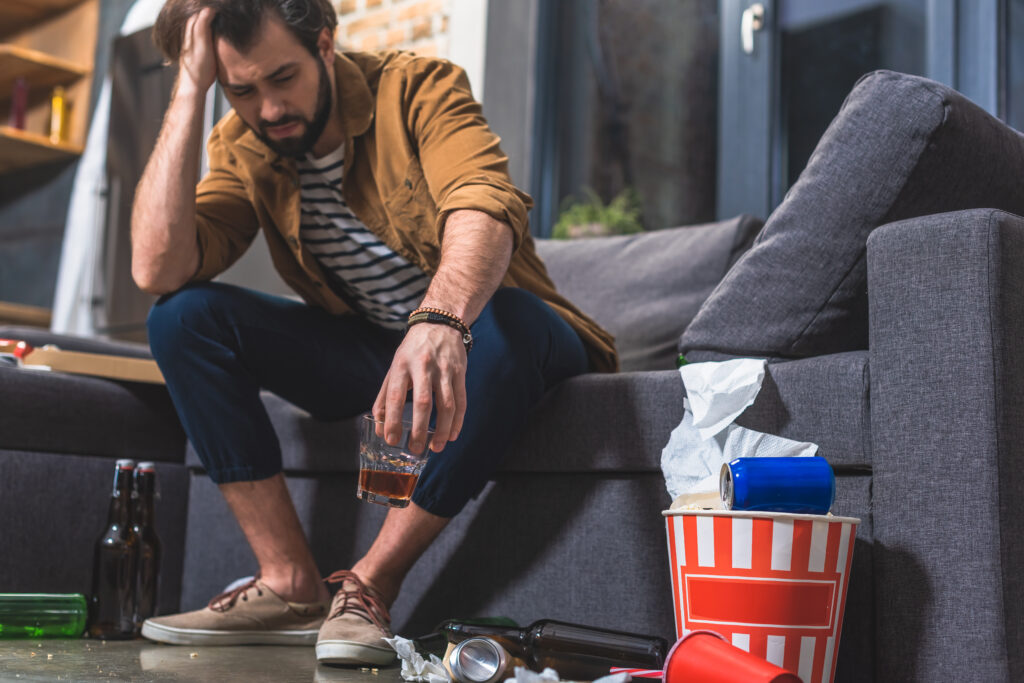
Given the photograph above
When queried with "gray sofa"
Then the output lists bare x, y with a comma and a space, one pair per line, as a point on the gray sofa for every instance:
886, 292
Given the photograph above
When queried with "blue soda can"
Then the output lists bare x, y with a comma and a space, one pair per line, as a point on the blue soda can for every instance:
795, 484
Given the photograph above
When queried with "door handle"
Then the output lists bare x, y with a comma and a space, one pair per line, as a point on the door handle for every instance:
752, 20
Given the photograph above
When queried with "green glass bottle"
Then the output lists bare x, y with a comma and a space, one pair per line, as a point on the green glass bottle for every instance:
42, 615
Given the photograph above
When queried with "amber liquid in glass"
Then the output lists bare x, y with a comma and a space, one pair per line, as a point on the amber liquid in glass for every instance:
396, 485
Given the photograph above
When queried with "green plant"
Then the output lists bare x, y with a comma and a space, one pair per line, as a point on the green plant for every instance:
593, 218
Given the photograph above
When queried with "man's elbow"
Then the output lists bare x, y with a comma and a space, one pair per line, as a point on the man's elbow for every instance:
151, 281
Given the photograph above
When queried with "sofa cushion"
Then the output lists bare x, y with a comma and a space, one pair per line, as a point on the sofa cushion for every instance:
901, 146
57, 412
620, 422
646, 288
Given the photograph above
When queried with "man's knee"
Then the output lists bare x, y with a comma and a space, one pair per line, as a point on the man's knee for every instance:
518, 312
517, 328
180, 313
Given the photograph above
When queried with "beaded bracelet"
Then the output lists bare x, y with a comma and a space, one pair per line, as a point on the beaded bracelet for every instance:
437, 316
441, 311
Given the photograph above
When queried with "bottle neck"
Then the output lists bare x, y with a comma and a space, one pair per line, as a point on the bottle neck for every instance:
548, 638
143, 508
120, 500
512, 639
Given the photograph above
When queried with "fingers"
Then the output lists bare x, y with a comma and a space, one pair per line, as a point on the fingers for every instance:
203, 20
397, 386
430, 364
461, 403
198, 31
379, 410
445, 396
422, 401
198, 60
450, 394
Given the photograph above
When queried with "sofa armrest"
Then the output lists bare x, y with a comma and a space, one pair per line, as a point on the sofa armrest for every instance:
946, 301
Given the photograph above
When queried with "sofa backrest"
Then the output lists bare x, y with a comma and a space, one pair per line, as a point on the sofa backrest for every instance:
901, 146
645, 288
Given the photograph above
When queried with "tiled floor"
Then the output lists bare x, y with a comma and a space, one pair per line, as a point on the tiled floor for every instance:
143, 661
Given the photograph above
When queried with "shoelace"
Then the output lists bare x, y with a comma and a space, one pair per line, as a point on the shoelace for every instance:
227, 599
359, 600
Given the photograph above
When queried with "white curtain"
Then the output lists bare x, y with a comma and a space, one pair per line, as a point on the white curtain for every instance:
77, 284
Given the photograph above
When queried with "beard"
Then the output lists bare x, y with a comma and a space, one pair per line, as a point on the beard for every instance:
297, 147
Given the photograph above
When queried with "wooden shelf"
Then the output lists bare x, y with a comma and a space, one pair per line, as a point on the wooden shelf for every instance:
19, 149
41, 71
16, 15
21, 314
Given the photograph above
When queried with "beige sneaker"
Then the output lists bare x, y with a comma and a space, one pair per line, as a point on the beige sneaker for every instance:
251, 614
355, 630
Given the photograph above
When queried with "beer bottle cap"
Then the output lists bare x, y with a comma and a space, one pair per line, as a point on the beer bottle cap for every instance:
125, 464
146, 466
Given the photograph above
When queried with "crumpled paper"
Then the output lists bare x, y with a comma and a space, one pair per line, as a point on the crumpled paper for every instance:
414, 666
524, 675
707, 438
549, 675
719, 392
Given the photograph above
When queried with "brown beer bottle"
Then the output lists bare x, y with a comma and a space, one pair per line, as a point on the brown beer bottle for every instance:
576, 652
148, 556
113, 571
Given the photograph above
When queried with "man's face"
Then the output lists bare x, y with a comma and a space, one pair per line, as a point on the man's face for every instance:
281, 90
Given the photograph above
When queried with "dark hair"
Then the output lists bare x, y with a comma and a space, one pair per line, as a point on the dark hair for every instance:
238, 20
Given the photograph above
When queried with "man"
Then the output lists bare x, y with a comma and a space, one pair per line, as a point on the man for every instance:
381, 191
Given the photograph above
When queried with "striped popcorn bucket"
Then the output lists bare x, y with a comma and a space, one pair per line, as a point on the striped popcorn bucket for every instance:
774, 584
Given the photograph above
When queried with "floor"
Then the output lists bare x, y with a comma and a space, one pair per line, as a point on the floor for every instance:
143, 661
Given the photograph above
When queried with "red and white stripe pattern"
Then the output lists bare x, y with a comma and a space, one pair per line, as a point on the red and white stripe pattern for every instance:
774, 585
637, 673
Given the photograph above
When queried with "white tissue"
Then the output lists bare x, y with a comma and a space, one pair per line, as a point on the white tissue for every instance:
524, 675
622, 677
692, 462
414, 667
719, 392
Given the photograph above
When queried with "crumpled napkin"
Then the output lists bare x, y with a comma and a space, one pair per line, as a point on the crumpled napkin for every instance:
524, 675
549, 675
719, 392
414, 667
707, 437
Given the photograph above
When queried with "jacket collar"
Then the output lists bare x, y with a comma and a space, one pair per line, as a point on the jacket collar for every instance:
355, 106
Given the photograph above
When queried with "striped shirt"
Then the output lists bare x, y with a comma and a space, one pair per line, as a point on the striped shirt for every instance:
379, 282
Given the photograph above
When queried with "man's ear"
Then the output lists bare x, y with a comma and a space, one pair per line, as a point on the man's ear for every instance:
325, 45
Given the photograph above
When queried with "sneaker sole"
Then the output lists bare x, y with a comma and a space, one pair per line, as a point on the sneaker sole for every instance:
352, 652
162, 633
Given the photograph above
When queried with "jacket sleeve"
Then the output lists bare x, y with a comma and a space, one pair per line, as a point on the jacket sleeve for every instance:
462, 162
225, 220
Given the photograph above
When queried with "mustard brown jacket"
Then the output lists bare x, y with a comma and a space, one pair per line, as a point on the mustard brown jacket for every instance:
417, 148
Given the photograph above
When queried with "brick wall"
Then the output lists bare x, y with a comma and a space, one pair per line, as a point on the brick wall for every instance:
417, 25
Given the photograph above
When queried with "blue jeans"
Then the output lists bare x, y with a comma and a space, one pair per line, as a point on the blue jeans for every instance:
218, 345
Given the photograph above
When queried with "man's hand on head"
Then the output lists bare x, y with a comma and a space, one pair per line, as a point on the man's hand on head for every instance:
198, 61
431, 362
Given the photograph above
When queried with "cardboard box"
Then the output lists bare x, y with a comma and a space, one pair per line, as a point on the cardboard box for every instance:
82, 363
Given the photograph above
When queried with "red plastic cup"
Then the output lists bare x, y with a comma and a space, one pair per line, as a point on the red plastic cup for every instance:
707, 657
